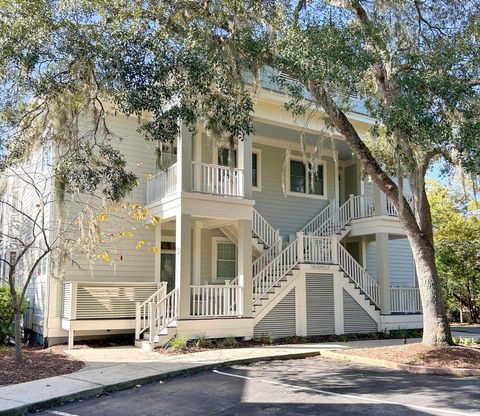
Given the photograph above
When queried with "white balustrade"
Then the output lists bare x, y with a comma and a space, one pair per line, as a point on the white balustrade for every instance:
162, 184
263, 230
405, 300
363, 206
358, 274
217, 180
392, 211
143, 310
319, 219
317, 250
341, 217
216, 300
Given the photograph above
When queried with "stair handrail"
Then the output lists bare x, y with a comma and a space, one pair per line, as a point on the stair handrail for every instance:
263, 230
366, 283
166, 312
340, 217
270, 275
262, 261
316, 222
142, 312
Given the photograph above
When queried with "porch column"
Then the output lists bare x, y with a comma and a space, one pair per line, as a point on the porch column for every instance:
197, 157
383, 272
245, 163
197, 252
245, 264
183, 256
158, 255
380, 201
184, 159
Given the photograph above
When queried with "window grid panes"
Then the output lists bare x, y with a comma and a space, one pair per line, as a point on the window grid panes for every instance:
304, 180
226, 260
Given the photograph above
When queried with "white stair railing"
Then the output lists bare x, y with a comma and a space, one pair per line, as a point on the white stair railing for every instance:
261, 262
320, 219
143, 310
263, 230
363, 206
317, 250
358, 274
338, 220
270, 275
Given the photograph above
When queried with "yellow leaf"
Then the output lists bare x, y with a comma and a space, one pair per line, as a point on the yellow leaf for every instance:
140, 245
102, 217
130, 233
156, 219
155, 249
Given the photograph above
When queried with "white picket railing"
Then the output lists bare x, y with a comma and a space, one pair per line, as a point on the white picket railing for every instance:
358, 274
143, 310
339, 219
217, 180
316, 250
392, 211
162, 184
261, 262
263, 230
405, 300
319, 219
216, 300
270, 275
363, 206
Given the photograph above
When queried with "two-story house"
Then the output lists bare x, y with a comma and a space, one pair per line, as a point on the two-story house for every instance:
281, 243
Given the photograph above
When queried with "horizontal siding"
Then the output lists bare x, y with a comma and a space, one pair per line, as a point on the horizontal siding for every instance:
402, 270
356, 320
280, 321
320, 304
371, 258
285, 212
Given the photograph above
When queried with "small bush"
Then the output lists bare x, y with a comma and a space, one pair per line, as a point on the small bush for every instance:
230, 341
178, 343
201, 341
267, 339
6, 313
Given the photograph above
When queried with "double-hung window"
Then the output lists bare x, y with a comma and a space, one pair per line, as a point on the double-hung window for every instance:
223, 161
304, 179
226, 260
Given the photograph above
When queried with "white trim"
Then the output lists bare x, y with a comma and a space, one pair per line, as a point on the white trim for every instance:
257, 152
215, 241
307, 180
337, 181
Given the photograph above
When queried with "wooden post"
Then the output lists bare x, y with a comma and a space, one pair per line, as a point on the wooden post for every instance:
138, 320
300, 248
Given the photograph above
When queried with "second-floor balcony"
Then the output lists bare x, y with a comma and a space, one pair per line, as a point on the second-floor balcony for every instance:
206, 178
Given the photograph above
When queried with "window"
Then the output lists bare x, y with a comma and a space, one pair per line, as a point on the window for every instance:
226, 260
166, 155
304, 180
223, 156
255, 170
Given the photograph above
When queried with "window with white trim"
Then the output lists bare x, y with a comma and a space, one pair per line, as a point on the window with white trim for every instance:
305, 180
226, 260
222, 160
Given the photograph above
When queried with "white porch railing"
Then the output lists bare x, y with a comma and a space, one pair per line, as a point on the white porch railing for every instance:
216, 300
405, 300
263, 230
162, 184
217, 180
363, 206
392, 211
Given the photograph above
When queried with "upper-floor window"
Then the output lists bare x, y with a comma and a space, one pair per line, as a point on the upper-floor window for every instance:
305, 180
223, 153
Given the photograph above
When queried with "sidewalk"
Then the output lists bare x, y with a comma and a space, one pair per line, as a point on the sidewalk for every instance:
116, 368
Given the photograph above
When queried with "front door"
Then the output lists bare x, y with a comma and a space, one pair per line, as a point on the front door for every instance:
167, 270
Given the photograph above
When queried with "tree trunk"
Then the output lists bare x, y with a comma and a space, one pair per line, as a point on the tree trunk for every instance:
436, 329
18, 336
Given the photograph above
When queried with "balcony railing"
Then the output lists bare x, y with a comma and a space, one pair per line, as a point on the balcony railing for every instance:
217, 180
405, 300
162, 184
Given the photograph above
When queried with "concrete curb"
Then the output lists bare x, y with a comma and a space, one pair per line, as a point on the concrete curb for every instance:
455, 372
107, 388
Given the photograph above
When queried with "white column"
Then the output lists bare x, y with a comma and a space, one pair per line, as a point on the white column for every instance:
183, 258
245, 265
380, 201
184, 159
245, 163
198, 160
383, 263
197, 252
300, 303
158, 255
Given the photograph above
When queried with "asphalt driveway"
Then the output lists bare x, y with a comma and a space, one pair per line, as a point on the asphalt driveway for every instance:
314, 386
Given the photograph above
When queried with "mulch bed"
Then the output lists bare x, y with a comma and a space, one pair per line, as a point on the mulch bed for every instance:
37, 363
423, 355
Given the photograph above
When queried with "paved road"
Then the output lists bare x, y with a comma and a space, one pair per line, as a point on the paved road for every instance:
314, 386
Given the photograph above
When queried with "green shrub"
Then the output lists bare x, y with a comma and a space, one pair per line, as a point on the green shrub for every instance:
6, 313
178, 343
230, 341
267, 339
201, 341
